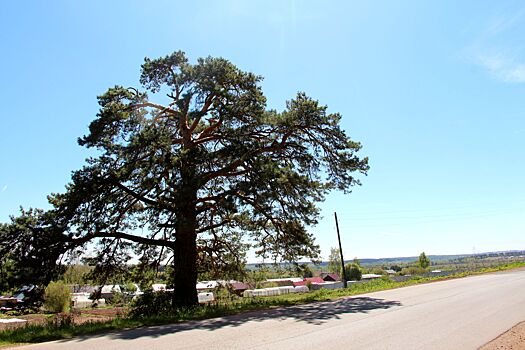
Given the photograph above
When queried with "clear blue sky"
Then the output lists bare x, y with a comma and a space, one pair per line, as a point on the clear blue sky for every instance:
435, 91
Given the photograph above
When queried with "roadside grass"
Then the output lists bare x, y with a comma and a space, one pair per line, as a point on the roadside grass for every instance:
64, 329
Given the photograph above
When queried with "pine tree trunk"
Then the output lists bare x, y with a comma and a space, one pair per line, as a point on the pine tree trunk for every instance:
185, 245
185, 270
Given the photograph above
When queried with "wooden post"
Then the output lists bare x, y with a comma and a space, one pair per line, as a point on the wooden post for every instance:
340, 251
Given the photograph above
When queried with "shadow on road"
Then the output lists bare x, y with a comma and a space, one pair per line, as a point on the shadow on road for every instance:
314, 313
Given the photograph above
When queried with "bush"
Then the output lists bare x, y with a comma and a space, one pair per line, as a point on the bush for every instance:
117, 298
57, 297
13, 313
353, 272
152, 304
396, 268
412, 270
60, 321
377, 271
130, 287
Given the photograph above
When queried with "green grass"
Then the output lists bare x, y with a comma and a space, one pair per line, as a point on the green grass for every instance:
41, 333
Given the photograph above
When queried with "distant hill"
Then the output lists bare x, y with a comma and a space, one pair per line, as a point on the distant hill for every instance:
409, 259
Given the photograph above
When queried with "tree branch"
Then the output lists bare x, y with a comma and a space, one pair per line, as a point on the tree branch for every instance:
122, 235
204, 110
138, 196
229, 170
203, 136
211, 227
154, 105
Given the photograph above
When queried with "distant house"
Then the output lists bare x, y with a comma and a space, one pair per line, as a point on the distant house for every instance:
292, 279
18, 300
108, 290
315, 283
309, 280
239, 287
390, 272
82, 300
84, 289
330, 277
111, 288
7, 303
370, 276
207, 285
280, 283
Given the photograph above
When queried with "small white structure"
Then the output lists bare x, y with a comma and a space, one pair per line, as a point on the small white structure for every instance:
12, 320
111, 288
435, 271
369, 276
207, 285
158, 287
327, 285
81, 300
301, 289
206, 297
268, 292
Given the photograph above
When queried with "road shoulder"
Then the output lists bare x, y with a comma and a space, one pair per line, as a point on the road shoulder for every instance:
513, 339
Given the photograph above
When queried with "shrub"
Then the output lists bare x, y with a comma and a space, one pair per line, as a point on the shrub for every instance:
152, 304
412, 270
377, 271
57, 297
353, 272
117, 298
130, 287
396, 268
60, 321
13, 313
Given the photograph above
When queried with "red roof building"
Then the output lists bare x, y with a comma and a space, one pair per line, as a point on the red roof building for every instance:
312, 280
239, 287
330, 277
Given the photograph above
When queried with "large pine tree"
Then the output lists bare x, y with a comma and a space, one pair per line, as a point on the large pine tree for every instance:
205, 168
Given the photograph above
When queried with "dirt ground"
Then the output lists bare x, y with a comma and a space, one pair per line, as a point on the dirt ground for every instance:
79, 317
513, 339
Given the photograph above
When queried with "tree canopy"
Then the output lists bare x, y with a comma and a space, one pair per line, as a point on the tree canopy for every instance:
353, 272
193, 167
30, 250
423, 260
334, 261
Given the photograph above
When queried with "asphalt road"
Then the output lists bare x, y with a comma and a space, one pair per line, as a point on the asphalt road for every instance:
457, 314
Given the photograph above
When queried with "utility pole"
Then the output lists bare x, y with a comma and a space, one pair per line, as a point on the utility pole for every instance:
340, 251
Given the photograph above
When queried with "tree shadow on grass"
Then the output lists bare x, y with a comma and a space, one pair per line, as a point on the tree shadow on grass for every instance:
314, 313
